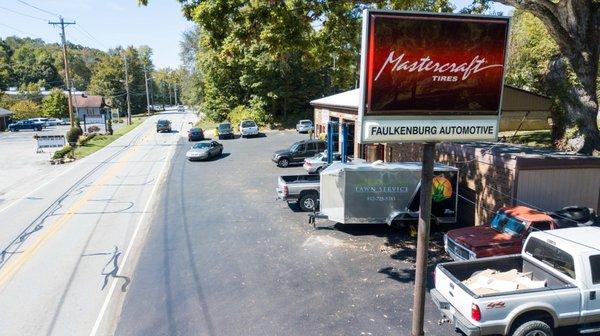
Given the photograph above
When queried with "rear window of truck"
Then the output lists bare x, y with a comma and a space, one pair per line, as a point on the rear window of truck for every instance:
595, 265
551, 256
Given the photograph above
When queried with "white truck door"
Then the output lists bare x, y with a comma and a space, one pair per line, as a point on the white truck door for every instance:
591, 295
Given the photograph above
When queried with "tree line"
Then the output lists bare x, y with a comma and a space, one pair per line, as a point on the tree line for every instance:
31, 64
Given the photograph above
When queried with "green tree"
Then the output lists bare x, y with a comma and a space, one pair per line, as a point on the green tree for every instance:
55, 105
575, 27
25, 109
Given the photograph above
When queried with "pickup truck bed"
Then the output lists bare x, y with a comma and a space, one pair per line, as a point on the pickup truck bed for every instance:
464, 270
303, 189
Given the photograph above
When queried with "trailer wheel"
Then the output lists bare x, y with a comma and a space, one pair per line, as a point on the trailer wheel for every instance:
533, 328
308, 202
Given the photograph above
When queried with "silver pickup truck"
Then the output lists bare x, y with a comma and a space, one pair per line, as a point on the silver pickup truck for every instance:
563, 264
301, 189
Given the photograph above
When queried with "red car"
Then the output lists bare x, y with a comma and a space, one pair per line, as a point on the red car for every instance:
505, 234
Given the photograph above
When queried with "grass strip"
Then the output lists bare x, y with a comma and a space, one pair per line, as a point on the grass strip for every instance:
101, 140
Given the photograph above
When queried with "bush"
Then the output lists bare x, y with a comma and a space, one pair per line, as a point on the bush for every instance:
83, 139
66, 151
93, 129
242, 112
73, 135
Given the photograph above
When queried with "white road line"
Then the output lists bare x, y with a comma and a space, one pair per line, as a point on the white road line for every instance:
113, 285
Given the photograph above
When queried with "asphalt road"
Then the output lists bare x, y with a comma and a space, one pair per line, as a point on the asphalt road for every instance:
68, 242
223, 257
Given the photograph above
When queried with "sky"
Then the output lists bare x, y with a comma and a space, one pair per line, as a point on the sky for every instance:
109, 22
105, 24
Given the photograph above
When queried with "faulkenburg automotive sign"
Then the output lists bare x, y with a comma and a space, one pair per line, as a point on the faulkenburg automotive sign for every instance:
431, 77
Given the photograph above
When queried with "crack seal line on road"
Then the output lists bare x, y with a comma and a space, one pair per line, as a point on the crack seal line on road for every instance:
159, 180
7, 272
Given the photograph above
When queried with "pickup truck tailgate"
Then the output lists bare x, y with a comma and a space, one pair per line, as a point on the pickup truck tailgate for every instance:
281, 189
456, 298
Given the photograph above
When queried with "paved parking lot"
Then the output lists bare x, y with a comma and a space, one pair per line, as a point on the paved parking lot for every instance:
22, 168
223, 257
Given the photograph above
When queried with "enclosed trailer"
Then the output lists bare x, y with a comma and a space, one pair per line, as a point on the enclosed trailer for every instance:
369, 193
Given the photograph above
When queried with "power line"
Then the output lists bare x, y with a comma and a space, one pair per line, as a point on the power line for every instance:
38, 8
13, 28
23, 14
81, 29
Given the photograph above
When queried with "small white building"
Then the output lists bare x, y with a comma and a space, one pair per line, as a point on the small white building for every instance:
90, 106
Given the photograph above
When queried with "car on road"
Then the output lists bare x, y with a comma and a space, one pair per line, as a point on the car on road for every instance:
26, 124
304, 126
224, 131
180, 108
553, 283
508, 230
163, 125
195, 134
204, 150
316, 164
298, 151
248, 128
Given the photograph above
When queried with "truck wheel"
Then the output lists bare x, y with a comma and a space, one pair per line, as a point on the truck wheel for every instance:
308, 202
283, 163
533, 328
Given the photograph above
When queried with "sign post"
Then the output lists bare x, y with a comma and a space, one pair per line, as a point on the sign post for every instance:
430, 77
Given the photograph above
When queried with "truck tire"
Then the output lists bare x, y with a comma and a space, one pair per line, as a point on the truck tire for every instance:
308, 202
283, 162
533, 328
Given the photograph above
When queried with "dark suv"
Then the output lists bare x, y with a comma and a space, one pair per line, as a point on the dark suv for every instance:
298, 152
225, 131
163, 125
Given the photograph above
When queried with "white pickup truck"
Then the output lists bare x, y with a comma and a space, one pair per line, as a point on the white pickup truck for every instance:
566, 262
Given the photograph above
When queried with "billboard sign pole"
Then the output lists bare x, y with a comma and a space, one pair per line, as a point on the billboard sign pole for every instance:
430, 77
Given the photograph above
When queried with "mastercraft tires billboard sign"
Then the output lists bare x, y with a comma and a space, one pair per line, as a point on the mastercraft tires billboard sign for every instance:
431, 77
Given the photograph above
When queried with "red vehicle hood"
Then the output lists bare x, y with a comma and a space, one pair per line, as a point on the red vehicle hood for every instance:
477, 237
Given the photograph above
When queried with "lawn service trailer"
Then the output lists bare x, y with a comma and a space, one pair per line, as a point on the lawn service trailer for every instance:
376, 193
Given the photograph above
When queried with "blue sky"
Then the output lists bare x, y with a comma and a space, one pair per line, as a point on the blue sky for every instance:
110, 23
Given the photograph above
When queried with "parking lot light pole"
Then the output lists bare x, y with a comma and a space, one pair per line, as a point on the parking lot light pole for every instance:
423, 239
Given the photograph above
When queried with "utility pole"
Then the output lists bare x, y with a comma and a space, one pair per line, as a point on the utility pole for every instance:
423, 239
147, 94
170, 96
63, 40
175, 89
127, 91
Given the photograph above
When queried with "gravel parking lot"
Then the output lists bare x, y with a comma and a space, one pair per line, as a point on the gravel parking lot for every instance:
223, 257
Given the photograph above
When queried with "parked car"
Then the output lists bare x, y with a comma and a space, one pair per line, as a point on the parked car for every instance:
163, 125
247, 128
224, 131
180, 108
554, 282
316, 164
304, 126
300, 189
298, 152
26, 124
506, 232
54, 122
204, 150
195, 134
43, 121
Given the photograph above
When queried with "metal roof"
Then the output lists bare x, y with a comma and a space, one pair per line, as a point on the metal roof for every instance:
514, 99
5, 112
